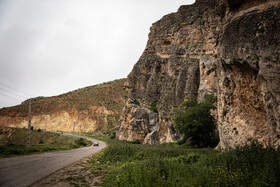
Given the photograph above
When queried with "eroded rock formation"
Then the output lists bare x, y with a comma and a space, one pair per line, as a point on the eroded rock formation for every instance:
226, 48
249, 81
94, 108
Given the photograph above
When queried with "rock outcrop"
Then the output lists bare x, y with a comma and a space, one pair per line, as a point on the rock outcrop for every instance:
249, 77
94, 108
226, 48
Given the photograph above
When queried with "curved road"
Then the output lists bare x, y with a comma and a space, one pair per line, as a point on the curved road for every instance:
26, 170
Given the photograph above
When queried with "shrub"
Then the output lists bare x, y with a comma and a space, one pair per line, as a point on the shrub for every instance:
153, 107
196, 123
112, 135
135, 101
224, 112
135, 142
82, 142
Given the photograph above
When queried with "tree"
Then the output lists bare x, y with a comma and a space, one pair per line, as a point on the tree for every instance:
196, 123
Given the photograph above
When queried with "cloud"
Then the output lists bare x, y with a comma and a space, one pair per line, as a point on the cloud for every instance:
49, 47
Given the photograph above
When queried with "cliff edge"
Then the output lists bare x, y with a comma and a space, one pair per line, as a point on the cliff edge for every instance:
226, 48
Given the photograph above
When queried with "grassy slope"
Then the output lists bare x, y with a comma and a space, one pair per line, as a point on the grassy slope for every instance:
13, 142
110, 94
82, 103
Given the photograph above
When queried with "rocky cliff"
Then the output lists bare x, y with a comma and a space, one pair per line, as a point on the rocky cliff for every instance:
94, 108
230, 49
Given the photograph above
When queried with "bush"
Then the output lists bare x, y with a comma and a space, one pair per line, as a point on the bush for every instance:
153, 107
82, 142
112, 135
196, 123
135, 142
135, 101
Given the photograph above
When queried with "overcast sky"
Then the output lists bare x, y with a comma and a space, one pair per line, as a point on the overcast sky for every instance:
49, 47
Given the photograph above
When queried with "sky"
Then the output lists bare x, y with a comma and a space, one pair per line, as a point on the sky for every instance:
50, 47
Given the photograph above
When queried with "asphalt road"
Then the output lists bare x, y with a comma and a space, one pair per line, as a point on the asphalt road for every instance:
26, 170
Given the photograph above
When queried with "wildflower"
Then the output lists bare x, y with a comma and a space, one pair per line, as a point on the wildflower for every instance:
163, 177
177, 180
216, 182
229, 181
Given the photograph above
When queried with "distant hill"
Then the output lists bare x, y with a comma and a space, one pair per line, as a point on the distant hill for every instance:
93, 108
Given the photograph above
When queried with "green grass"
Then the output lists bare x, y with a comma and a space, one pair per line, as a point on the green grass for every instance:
126, 164
41, 141
107, 136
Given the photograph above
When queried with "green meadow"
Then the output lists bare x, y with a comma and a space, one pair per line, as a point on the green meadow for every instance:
129, 164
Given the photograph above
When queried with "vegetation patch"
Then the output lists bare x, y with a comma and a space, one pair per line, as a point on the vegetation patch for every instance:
196, 123
153, 106
13, 142
135, 101
125, 164
225, 111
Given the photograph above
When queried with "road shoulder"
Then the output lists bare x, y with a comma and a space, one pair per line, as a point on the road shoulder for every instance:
64, 177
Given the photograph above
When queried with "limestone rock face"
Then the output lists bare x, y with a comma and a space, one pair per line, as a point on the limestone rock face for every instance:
249, 80
140, 123
178, 62
94, 108
226, 48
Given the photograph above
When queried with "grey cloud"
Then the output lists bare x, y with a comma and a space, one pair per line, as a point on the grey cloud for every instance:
49, 47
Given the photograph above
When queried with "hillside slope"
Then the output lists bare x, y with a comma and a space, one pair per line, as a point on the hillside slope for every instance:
93, 108
230, 49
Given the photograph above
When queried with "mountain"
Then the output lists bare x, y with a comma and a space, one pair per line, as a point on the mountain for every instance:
230, 49
93, 108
